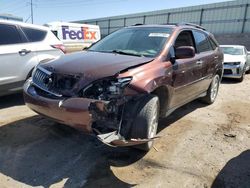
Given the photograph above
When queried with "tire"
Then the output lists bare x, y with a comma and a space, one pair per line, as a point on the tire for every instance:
243, 75
212, 91
146, 121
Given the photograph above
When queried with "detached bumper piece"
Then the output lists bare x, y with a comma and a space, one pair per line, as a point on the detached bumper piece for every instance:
114, 139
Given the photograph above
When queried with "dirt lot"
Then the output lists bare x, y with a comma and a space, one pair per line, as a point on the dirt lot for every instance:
201, 146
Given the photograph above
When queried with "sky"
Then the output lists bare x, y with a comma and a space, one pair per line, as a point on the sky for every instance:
64, 10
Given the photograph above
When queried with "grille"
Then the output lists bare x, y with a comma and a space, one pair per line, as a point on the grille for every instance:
228, 71
44, 80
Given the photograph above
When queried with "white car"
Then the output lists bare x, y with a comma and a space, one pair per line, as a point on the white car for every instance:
236, 61
22, 47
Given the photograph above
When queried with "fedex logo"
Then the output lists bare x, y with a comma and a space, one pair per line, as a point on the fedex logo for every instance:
83, 33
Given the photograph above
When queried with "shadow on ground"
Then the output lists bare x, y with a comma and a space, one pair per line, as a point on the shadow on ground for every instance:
230, 81
236, 173
179, 113
11, 100
38, 152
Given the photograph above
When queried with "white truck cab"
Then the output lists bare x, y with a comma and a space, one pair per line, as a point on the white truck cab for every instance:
75, 36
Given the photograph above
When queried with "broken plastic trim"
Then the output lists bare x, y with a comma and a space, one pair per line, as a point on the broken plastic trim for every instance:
114, 139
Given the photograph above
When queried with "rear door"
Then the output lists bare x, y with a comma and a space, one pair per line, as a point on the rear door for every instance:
14, 55
186, 72
44, 42
207, 56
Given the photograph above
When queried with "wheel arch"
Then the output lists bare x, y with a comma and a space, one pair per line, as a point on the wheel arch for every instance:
219, 72
163, 93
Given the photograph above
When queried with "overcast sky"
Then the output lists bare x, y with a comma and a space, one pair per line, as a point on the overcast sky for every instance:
64, 10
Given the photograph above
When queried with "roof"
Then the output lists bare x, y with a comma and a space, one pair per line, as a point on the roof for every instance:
58, 23
24, 24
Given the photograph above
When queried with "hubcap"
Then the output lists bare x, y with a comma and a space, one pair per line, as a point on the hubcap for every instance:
214, 88
154, 122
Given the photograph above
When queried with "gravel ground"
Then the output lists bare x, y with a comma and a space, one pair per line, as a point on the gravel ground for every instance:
200, 146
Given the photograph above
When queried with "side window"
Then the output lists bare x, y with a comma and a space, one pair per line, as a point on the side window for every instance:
34, 35
201, 41
185, 38
9, 35
213, 43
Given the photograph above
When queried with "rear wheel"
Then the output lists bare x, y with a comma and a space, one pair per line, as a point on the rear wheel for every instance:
212, 91
146, 121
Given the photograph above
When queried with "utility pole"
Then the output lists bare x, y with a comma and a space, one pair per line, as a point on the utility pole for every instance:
31, 10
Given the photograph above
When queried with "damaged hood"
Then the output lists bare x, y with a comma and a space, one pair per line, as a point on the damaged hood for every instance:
94, 65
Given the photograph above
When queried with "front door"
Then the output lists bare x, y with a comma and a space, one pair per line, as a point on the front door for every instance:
186, 72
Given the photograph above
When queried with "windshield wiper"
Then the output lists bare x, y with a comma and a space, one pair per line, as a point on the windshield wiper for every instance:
126, 53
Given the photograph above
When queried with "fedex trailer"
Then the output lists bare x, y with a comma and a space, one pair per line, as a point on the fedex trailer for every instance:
75, 36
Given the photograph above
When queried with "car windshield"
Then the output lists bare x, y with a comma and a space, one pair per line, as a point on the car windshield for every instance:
232, 50
137, 41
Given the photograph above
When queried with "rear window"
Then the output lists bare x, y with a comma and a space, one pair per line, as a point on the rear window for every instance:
9, 35
201, 41
34, 35
213, 43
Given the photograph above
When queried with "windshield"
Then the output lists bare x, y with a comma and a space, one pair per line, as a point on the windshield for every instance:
140, 41
232, 50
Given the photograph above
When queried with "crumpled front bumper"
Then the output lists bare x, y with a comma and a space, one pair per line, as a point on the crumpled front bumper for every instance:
71, 111
75, 113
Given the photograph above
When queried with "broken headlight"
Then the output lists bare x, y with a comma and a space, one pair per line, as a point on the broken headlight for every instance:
106, 89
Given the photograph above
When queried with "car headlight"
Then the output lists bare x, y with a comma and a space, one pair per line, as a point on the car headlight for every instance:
106, 89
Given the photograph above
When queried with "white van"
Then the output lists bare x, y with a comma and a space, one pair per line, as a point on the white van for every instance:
75, 36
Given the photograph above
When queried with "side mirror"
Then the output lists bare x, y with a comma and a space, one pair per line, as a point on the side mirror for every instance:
184, 52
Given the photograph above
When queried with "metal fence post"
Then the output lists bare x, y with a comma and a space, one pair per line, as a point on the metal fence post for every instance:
201, 16
244, 19
108, 26
144, 19
168, 18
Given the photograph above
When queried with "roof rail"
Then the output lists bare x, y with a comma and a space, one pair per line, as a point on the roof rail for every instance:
192, 24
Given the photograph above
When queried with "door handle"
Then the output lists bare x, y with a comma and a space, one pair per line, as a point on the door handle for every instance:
216, 57
24, 52
199, 62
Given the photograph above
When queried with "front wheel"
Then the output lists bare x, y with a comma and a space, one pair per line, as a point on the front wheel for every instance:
212, 91
146, 121
243, 75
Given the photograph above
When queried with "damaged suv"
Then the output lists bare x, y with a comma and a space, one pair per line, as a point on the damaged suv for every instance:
122, 85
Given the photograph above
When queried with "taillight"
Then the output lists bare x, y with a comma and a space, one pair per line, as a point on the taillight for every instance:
60, 47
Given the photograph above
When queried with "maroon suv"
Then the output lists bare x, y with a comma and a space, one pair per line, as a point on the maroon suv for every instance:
122, 85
